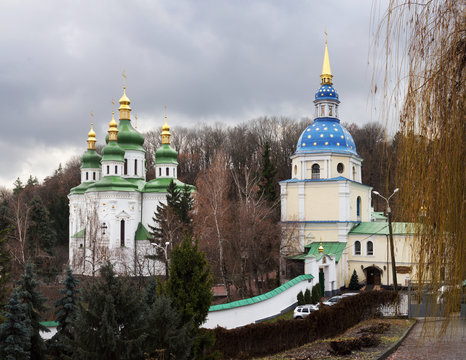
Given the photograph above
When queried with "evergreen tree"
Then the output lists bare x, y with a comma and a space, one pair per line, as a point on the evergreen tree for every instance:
18, 186
151, 292
268, 183
166, 332
32, 181
354, 282
173, 195
15, 339
33, 303
300, 298
41, 232
109, 323
184, 207
307, 296
316, 294
5, 259
66, 310
190, 283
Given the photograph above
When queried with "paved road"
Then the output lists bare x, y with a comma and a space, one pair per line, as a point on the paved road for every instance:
426, 343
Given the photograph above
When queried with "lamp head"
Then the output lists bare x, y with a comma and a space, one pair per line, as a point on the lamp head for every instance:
396, 190
376, 192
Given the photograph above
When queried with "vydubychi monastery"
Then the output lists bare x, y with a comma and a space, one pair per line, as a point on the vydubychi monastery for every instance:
112, 207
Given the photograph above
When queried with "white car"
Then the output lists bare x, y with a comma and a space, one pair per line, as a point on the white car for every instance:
348, 294
301, 311
332, 300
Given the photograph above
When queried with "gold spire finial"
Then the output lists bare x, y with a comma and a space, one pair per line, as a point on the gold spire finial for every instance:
326, 75
113, 128
321, 248
124, 102
166, 130
91, 135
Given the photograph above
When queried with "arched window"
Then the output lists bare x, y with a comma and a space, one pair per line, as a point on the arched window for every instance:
358, 207
87, 175
122, 233
357, 247
316, 171
126, 167
160, 171
135, 166
116, 169
167, 171
370, 248
108, 169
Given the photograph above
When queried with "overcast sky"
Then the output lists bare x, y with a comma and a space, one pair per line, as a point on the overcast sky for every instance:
209, 61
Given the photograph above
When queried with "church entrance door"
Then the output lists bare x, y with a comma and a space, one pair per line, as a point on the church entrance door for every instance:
373, 275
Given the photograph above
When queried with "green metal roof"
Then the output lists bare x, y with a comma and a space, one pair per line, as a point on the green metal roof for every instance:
381, 228
80, 234
81, 188
90, 160
49, 323
262, 297
142, 233
113, 152
333, 248
160, 185
112, 183
128, 137
139, 182
165, 154
378, 215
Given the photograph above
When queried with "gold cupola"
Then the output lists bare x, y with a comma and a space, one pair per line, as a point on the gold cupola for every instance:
321, 248
124, 102
166, 130
326, 75
113, 129
91, 138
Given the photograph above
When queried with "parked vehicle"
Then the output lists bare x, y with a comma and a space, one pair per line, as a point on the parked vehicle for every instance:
348, 294
301, 311
332, 300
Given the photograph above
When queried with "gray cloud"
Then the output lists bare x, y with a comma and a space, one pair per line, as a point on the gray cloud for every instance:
207, 60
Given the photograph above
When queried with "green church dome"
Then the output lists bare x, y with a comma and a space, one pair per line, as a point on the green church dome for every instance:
113, 152
128, 137
90, 160
165, 154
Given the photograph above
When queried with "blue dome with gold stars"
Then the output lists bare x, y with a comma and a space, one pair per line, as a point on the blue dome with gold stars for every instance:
326, 92
326, 134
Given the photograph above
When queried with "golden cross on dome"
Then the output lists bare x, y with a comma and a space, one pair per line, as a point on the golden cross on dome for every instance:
124, 79
113, 105
165, 111
92, 117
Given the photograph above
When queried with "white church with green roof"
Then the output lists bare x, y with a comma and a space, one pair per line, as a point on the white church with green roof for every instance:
113, 206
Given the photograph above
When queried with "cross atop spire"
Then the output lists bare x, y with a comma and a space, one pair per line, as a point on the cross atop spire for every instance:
326, 75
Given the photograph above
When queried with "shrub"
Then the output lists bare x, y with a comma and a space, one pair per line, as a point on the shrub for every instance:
316, 294
269, 338
345, 347
354, 282
307, 296
300, 298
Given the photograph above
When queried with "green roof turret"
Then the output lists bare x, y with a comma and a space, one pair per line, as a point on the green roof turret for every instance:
112, 151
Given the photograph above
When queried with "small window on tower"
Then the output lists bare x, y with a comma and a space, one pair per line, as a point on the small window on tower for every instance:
340, 168
330, 110
116, 169
316, 171
167, 171
295, 170
160, 171
93, 175
87, 175
125, 170
135, 166
174, 173
357, 248
108, 169
322, 110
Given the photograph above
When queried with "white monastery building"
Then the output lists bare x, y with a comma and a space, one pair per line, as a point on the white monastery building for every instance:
112, 208
329, 227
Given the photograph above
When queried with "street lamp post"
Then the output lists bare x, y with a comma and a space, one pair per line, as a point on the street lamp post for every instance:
392, 251
165, 252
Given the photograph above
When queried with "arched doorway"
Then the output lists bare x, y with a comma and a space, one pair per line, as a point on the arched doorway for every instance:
373, 275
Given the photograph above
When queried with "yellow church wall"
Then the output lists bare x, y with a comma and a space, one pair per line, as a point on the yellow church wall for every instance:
403, 246
292, 205
357, 190
321, 202
308, 169
346, 167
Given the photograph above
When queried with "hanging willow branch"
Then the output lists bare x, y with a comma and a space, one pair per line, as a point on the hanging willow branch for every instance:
425, 56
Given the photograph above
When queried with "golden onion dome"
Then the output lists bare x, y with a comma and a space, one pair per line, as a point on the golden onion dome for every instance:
124, 100
91, 133
165, 130
321, 248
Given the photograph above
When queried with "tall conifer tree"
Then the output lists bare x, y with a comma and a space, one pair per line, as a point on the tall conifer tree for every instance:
33, 303
15, 339
268, 184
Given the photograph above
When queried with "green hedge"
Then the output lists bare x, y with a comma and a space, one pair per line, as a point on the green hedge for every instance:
272, 337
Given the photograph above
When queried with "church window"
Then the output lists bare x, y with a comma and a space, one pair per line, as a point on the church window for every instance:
93, 175
295, 170
122, 233
322, 110
330, 110
340, 168
167, 171
126, 167
135, 166
370, 248
358, 207
354, 173
174, 173
108, 169
116, 169
160, 171
316, 171
357, 247
87, 175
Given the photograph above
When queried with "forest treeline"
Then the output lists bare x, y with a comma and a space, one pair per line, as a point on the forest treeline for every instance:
34, 216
